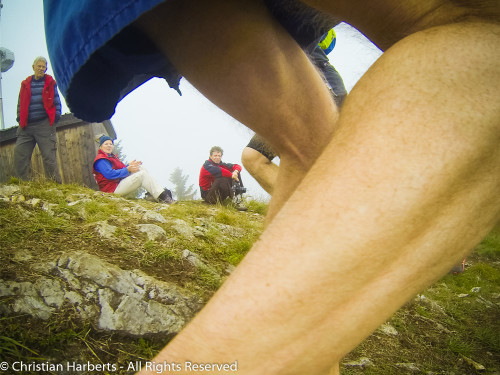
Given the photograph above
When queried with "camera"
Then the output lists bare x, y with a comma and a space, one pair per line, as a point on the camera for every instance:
238, 188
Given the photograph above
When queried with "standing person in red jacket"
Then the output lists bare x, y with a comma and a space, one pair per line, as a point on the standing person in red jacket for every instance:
216, 178
113, 176
38, 109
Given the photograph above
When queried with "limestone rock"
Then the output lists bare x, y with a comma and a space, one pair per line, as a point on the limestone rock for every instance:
56, 192
153, 216
230, 269
388, 329
199, 231
28, 301
183, 228
477, 366
22, 255
363, 362
17, 198
35, 202
105, 230
50, 290
80, 201
9, 190
71, 198
153, 231
231, 231
408, 366
49, 207
106, 295
197, 262
135, 316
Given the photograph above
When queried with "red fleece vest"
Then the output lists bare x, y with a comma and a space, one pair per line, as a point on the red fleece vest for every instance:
47, 97
108, 186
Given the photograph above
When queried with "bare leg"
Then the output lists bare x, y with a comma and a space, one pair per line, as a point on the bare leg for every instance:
261, 168
245, 63
411, 186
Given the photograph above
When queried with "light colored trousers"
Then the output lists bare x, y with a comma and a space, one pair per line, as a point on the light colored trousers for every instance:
136, 180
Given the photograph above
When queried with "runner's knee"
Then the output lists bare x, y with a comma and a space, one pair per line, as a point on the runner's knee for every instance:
253, 160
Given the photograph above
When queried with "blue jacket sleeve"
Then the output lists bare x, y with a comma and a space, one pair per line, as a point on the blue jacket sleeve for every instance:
214, 170
105, 168
57, 103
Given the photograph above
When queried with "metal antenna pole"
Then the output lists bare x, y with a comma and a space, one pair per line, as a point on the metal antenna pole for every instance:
2, 126
6, 61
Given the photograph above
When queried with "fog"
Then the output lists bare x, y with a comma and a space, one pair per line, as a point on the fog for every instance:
153, 123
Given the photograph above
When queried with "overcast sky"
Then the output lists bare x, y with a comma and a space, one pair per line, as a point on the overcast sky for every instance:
156, 125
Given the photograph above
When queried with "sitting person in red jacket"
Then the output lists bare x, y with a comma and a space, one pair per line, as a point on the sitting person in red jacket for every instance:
113, 176
216, 178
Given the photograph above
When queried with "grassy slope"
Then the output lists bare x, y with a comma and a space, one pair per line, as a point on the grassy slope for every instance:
447, 327
440, 331
31, 231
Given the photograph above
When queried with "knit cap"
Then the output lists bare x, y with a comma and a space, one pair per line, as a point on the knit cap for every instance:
104, 138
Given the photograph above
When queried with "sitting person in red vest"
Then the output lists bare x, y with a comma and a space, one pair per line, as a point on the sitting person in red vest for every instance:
113, 176
216, 179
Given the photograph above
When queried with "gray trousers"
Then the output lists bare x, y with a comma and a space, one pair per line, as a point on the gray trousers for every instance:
44, 135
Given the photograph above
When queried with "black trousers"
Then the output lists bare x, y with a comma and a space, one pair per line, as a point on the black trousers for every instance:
220, 190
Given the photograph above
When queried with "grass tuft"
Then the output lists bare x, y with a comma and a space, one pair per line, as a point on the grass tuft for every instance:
456, 317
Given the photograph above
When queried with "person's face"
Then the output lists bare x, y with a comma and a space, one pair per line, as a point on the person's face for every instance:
40, 67
216, 157
107, 147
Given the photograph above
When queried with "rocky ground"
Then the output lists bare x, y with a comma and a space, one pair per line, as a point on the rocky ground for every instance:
88, 277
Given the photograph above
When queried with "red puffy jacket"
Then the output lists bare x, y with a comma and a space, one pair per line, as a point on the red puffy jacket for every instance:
47, 96
108, 186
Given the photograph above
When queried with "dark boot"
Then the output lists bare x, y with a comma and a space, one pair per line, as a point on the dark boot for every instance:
166, 197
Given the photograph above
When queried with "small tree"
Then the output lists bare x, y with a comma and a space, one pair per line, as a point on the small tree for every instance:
181, 192
118, 151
